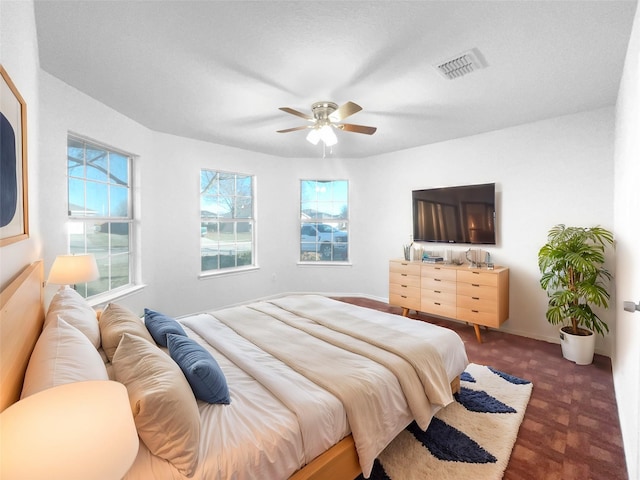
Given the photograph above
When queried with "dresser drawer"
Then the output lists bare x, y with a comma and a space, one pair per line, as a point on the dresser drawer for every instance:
429, 271
404, 279
476, 290
436, 284
405, 301
477, 304
439, 308
406, 290
439, 297
478, 278
407, 268
478, 317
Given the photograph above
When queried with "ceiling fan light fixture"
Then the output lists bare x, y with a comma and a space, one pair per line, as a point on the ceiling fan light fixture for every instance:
324, 133
328, 136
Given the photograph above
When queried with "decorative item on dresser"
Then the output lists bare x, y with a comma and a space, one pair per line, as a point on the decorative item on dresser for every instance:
474, 295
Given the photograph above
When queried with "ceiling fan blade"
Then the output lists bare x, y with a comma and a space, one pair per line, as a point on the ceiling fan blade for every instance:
297, 113
294, 129
344, 111
349, 127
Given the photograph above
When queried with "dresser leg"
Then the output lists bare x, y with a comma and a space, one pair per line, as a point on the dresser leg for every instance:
478, 334
405, 312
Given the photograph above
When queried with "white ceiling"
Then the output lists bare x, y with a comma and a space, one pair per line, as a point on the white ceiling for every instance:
218, 70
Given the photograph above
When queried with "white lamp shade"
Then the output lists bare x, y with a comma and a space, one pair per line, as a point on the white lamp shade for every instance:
72, 269
328, 136
77, 431
313, 136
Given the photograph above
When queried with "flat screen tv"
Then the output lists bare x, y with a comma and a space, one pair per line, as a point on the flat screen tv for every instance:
462, 214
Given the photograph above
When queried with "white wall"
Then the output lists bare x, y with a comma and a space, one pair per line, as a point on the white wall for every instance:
626, 356
19, 57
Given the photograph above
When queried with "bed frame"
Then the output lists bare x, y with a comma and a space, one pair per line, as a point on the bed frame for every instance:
21, 320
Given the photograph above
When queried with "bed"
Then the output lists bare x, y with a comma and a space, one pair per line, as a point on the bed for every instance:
290, 365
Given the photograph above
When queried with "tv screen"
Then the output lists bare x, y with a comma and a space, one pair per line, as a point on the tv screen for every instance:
463, 214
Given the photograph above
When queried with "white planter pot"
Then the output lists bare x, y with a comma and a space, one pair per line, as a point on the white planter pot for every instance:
578, 348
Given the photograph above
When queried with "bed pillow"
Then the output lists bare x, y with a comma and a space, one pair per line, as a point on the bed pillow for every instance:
164, 408
160, 325
201, 370
76, 311
115, 321
62, 354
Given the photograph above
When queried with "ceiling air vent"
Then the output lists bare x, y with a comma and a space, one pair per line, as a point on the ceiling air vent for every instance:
461, 65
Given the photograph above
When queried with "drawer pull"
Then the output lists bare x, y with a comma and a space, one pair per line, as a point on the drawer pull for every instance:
475, 298
403, 286
437, 291
476, 273
403, 296
437, 280
475, 311
403, 274
436, 303
475, 285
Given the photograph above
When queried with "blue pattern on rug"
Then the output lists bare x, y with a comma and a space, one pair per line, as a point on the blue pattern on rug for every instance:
377, 472
481, 401
450, 444
467, 377
510, 378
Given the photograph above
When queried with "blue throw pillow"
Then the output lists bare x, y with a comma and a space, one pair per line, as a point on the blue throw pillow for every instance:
160, 325
202, 371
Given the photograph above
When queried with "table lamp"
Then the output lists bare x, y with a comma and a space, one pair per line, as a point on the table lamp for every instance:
73, 269
76, 431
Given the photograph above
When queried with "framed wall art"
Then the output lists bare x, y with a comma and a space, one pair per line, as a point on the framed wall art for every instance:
14, 209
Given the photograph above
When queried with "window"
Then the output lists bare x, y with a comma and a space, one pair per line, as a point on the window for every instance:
324, 221
227, 221
100, 212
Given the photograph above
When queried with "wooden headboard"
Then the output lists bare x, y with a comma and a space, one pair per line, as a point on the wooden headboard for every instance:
21, 319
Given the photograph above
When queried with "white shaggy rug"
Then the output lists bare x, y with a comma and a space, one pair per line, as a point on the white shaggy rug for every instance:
471, 438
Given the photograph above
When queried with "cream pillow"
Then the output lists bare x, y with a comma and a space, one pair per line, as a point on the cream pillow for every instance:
76, 311
115, 321
164, 408
62, 354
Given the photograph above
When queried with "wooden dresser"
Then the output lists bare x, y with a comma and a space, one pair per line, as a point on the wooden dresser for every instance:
473, 295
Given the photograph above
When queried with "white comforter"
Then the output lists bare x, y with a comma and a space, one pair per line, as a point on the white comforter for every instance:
280, 420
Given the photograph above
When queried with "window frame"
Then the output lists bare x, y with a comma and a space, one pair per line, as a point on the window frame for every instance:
111, 220
251, 219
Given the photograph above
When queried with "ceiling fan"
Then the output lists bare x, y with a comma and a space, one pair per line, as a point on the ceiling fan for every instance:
323, 120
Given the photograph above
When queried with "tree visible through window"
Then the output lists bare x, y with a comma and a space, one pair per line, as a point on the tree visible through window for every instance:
226, 220
100, 212
324, 220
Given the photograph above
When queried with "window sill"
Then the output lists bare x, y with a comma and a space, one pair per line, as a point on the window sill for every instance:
105, 298
221, 273
325, 264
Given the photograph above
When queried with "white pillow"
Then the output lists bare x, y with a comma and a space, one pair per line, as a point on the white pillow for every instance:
164, 409
62, 354
76, 311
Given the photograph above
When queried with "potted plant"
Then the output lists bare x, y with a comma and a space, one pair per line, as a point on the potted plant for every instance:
574, 277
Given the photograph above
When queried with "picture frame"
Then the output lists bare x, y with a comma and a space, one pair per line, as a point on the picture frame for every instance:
14, 208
